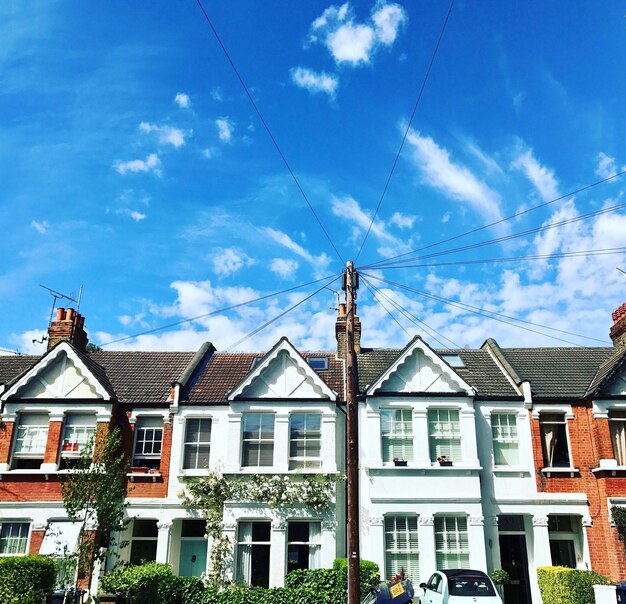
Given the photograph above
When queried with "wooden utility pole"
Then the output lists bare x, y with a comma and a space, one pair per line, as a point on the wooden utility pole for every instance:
352, 438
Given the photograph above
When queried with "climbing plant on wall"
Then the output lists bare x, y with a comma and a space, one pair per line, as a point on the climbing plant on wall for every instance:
211, 492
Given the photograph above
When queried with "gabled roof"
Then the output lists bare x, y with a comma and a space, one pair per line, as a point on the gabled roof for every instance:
225, 371
606, 372
558, 373
13, 366
89, 371
281, 360
440, 377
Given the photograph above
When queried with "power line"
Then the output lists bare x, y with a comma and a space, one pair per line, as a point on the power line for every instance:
411, 316
267, 129
492, 314
279, 316
573, 254
215, 312
375, 291
15, 352
546, 227
502, 220
406, 131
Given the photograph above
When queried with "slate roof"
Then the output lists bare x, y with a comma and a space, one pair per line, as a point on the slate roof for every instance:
558, 372
224, 371
480, 371
610, 366
13, 366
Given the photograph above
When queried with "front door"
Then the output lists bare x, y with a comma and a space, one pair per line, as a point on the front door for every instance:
192, 558
515, 562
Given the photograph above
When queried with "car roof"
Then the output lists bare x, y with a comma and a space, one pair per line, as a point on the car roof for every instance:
453, 573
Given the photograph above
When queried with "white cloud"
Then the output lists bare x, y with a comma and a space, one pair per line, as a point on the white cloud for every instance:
168, 135
134, 214
225, 128
29, 342
210, 152
152, 163
446, 217
319, 263
455, 181
354, 43
541, 177
315, 82
607, 166
284, 268
227, 261
216, 94
402, 220
40, 227
182, 100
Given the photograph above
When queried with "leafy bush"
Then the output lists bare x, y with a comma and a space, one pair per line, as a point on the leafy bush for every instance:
25, 579
151, 583
560, 585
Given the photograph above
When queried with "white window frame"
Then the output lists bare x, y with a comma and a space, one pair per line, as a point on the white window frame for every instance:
134, 538
505, 436
617, 415
12, 524
148, 459
314, 544
40, 432
451, 546
444, 435
249, 543
574, 536
565, 417
197, 443
258, 441
398, 543
394, 434
78, 432
305, 462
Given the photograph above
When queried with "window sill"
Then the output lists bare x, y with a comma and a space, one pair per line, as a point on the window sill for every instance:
424, 469
144, 476
561, 472
511, 471
613, 470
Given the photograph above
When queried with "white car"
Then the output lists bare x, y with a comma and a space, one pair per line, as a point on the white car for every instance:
459, 586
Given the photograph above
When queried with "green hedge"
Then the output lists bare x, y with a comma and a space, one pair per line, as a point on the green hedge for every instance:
151, 583
154, 583
25, 579
560, 585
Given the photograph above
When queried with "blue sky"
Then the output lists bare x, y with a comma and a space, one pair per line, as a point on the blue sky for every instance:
132, 163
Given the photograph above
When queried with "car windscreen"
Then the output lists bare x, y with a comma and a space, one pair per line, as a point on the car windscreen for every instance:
470, 586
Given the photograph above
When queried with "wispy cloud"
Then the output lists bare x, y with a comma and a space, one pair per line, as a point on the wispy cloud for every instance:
40, 227
134, 214
225, 129
607, 166
402, 220
168, 135
541, 177
182, 100
315, 82
353, 43
152, 163
216, 94
319, 263
454, 180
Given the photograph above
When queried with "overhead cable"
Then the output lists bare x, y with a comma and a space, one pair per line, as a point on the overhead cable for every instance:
502, 220
267, 129
219, 311
492, 314
407, 129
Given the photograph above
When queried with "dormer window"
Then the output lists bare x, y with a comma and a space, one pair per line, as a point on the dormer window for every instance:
255, 361
31, 437
454, 360
318, 363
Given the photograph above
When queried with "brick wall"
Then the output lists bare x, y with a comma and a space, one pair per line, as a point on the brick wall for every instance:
590, 441
154, 486
6, 437
36, 538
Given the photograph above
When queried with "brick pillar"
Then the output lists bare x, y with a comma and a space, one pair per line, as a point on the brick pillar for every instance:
605, 444
55, 429
36, 539
6, 436
166, 452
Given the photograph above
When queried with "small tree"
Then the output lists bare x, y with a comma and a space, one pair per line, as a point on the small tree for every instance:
94, 493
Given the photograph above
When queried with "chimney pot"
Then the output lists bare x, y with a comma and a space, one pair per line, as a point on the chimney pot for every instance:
342, 310
60, 314
69, 315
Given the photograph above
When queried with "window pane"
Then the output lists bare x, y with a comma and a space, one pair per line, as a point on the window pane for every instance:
444, 434
505, 440
401, 547
554, 440
617, 424
258, 440
397, 434
32, 434
148, 441
14, 537
305, 440
197, 446
451, 542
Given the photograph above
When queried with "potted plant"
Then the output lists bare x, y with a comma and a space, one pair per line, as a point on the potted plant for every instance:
444, 461
500, 578
399, 462
139, 469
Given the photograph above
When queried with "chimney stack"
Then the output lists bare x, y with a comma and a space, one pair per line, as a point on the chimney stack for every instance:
618, 331
69, 326
340, 332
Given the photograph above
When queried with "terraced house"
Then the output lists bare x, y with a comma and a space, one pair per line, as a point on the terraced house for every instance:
486, 458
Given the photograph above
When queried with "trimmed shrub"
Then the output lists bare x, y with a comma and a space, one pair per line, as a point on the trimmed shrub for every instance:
151, 583
560, 585
26, 579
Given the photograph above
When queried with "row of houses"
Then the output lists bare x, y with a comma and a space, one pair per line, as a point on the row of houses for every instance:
485, 458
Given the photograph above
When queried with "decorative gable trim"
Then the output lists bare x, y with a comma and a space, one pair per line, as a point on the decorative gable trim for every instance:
283, 352
47, 361
446, 372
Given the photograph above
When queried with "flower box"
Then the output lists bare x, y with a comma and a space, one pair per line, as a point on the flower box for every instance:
139, 469
400, 462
